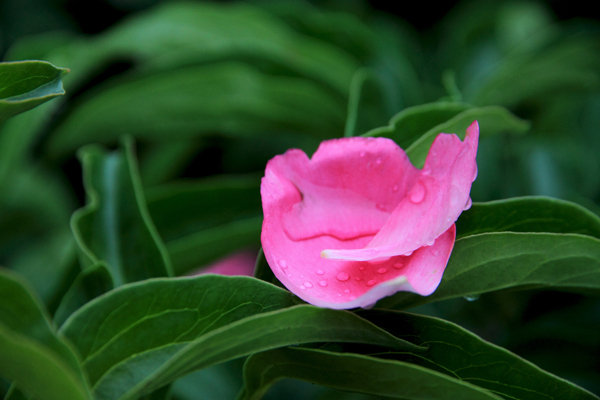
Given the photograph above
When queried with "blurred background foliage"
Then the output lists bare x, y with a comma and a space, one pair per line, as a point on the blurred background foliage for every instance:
211, 91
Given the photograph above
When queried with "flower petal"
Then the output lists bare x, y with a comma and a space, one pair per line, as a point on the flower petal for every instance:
347, 190
431, 206
238, 264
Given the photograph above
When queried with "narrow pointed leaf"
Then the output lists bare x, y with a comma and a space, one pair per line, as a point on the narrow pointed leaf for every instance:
115, 226
353, 372
495, 261
409, 124
492, 120
528, 214
27, 84
203, 321
462, 355
30, 351
230, 98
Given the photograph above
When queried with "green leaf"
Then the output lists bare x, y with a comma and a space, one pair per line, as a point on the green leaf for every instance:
203, 247
492, 120
230, 98
353, 372
143, 336
528, 214
31, 354
201, 221
115, 226
91, 283
411, 123
494, 261
27, 84
462, 355
365, 103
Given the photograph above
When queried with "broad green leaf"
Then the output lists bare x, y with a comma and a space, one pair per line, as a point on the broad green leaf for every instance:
91, 283
27, 84
492, 120
462, 355
115, 226
31, 353
353, 372
203, 321
201, 221
505, 260
528, 214
409, 124
229, 98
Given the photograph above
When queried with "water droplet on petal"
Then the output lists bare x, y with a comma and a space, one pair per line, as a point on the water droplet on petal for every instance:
469, 204
381, 271
342, 277
435, 252
282, 264
378, 161
398, 265
475, 173
358, 278
395, 188
362, 153
408, 254
346, 290
308, 284
471, 297
426, 170
323, 283
417, 194
361, 268
302, 287
371, 282
320, 272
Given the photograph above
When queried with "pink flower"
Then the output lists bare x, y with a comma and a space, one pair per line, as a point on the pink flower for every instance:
359, 222
240, 263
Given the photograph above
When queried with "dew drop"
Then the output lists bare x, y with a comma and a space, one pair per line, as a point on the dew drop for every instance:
358, 278
322, 283
346, 290
408, 254
362, 153
371, 282
381, 271
426, 170
472, 297
469, 204
308, 284
362, 268
435, 252
302, 287
342, 277
339, 295
475, 172
378, 161
320, 272
417, 194
398, 265
395, 188
282, 264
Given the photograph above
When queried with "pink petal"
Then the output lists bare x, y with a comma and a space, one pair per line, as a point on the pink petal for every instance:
240, 263
347, 190
341, 284
431, 206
